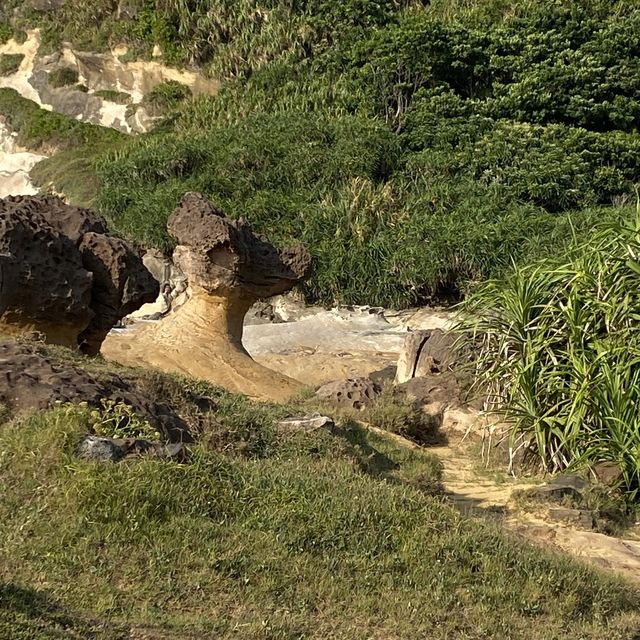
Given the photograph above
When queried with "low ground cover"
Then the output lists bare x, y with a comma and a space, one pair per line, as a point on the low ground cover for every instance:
267, 534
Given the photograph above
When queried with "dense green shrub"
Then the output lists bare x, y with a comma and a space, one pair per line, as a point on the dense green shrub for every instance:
165, 96
63, 77
492, 123
10, 63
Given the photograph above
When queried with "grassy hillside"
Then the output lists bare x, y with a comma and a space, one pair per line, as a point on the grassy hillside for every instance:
267, 534
414, 147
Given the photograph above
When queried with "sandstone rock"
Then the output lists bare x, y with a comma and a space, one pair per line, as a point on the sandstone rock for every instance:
223, 256
228, 268
31, 378
424, 353
352, 393
581, 517
63, 276
563, 487
440, 387
121, 284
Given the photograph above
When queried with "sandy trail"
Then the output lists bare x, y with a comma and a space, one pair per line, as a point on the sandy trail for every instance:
475, 492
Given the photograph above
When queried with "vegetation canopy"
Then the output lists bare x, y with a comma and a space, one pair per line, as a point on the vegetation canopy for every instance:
414, 147
561, 353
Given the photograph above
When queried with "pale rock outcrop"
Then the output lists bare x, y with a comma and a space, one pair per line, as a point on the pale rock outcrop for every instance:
228, 268
425, 353
97, 73
62, 276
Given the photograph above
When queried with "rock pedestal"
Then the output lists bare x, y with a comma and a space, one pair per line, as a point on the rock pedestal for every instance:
228, 268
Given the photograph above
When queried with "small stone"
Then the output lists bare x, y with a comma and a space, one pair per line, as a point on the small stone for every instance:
581, 517
97, 449
307, 423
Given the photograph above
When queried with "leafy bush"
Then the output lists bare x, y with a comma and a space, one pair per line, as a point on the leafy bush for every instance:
63, 77
561, 354
495, 125
10, 63
165, 96
119, 420
6, 32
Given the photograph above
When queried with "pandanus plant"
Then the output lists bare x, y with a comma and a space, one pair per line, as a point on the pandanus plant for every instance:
560, 353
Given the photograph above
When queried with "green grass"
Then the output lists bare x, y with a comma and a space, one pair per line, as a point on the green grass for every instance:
63, 77
265, 534
119, 97
302, 543
165, 97
10, 63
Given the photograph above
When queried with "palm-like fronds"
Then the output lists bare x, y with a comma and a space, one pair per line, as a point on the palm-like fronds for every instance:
560, 355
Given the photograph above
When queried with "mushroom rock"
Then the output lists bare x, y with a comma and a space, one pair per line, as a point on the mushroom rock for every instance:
228, 267
62, 276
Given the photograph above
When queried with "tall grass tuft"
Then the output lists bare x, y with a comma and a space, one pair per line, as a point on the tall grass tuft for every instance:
560, 355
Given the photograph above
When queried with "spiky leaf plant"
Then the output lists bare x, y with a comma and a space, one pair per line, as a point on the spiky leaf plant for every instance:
560, 355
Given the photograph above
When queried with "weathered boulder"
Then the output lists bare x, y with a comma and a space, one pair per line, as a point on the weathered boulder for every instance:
63, 276
228, 268
306, 423
424, 353
224, 256
352, 393
44, 287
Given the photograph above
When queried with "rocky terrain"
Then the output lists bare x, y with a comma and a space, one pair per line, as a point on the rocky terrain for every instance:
181, 401
228, 268
63, 276
95, 88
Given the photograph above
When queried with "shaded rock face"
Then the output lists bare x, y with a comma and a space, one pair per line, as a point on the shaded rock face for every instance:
33, 379
228, 267
425, 353
63, 276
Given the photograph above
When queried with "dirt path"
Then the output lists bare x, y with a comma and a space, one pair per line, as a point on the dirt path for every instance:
475, 492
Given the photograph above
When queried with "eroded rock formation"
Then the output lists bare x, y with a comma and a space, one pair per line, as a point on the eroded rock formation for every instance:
33, 378
228, 268
62, 275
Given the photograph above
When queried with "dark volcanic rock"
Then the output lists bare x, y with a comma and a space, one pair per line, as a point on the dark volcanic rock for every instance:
99, 449
121, 284
43, 284
222, 255
63, 276
31, 378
